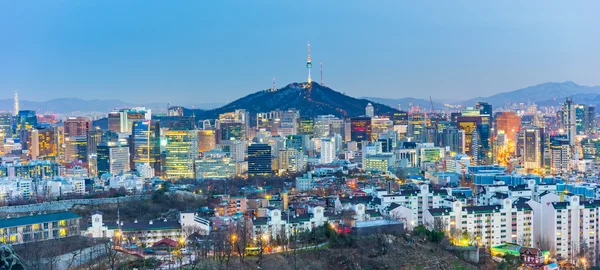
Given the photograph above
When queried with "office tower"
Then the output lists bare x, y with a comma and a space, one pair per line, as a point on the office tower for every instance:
360, 129
77, 126
51, 143
114, 121
509, 123
207, 140
181, 153
532, 148
389, 140
215, 164
145, 144
259, 160
32, 142
590, 120
182, 123
469, 125
560, 154
400, 118
232, 131
327, 125
305, 125
484, 108
369, 110
569, 120
288, 122
26, 119
128, 116
295, 142
6, 122
94, 137
453, 139
112, 158
327, 150
76, 149
291, 160
416, 126
380, 125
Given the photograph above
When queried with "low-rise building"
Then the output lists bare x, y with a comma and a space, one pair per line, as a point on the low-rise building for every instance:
39, 227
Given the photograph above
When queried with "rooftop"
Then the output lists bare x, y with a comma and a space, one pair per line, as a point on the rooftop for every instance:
36, 219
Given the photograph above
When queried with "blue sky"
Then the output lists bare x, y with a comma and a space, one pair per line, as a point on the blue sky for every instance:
217, 51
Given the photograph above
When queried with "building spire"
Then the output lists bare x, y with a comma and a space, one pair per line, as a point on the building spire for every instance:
16, 108
309, 64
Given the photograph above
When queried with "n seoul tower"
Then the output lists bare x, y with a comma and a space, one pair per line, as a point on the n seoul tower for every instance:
309, 65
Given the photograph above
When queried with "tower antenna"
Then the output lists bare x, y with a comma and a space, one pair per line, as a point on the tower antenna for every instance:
273, 88
322, 74
309, 64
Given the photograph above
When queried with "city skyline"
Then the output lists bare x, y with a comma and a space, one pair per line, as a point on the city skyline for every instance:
386, 49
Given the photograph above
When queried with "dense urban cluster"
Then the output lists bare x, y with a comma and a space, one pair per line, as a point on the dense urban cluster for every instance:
517, 180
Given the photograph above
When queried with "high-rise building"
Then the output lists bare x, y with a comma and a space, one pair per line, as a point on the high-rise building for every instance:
453, 139
291, 160
569, 120
259, 159
26, 119
327, 150
207, 140
114, 121
560, 154
509, 123
484, 108
369, 110
215, 164
232, 131
416, 126
305, 125
360, 129
181, 153
77, 126
532, 148
6, 122
112, 158
94, 137
469, 125
145, 144
76, 149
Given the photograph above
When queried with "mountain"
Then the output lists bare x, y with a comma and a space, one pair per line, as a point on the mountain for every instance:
541, 94
311, 101
406, 103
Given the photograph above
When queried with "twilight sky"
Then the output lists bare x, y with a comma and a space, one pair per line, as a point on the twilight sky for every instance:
217, 51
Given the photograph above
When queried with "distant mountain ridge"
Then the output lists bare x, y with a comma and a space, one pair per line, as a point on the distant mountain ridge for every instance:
550, 93
312, 101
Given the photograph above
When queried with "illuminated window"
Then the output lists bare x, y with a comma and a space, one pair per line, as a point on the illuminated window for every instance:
13, 238
62, 223
63, 232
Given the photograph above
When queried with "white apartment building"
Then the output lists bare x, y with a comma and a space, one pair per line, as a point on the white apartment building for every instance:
411, 204
490, 224
568, 228
277, 222
327, 150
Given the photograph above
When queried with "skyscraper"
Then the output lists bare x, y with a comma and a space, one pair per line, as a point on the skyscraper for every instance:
569, 120
77, 126
259, 160
360, 129
112, 158
76, 149
6, 120
509, 123
146, 144
181, 153
206, 140
532, 148
26, 120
